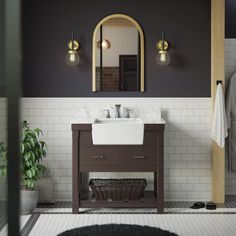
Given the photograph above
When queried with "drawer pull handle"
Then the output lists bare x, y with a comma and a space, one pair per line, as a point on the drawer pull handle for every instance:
98, 157
139, 157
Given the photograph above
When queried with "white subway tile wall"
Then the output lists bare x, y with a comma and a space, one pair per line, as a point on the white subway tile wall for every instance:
230, 68
230, 57
187, 140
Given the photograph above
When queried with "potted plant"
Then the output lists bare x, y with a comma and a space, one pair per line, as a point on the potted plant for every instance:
32, 150
45, 189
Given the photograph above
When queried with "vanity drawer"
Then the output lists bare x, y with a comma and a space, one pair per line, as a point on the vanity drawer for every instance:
118, 157
150, 140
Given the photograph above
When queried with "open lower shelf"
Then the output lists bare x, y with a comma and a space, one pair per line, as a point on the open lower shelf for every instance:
149, 201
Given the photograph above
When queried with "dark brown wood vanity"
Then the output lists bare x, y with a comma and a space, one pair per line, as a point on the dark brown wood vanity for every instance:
118, 158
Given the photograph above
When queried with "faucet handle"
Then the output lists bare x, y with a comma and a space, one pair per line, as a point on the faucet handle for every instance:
108, 113
128, 110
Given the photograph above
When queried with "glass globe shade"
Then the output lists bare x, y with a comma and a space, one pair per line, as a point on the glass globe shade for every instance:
163, 58
72, 58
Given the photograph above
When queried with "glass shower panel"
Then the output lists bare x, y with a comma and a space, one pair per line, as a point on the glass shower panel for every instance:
10, 81
3, 128
3, 140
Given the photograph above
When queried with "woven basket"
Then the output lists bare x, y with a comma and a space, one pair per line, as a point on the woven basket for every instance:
117, 189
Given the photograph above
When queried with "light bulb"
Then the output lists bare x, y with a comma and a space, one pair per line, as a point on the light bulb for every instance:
72, 58
163, 58
105, 44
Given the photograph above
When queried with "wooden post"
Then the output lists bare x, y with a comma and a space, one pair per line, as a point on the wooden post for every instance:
217, 73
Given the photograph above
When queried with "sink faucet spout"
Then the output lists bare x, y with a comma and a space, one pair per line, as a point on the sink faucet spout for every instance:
118, 111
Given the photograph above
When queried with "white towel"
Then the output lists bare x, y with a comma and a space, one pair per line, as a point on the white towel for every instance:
219, 125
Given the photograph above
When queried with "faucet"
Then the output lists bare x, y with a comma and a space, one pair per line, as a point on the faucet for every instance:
108, 113
117, 111
128, 110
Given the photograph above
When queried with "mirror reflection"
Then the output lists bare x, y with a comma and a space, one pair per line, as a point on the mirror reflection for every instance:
118, 55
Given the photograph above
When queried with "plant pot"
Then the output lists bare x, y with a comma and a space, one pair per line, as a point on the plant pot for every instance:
45, 190
29, 201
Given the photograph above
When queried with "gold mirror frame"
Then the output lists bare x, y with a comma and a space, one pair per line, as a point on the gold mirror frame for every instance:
138, 27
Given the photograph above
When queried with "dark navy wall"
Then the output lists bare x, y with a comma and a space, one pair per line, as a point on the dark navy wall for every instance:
47, 27
230, 19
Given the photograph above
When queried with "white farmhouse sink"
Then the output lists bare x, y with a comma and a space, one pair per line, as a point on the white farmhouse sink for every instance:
118, 131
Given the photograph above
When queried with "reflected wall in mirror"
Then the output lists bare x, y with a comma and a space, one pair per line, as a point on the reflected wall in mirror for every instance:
118, 55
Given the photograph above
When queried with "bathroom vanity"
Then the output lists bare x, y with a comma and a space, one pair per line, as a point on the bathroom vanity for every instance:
147, 157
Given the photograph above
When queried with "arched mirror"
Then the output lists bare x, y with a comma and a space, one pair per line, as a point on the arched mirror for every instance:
118, 55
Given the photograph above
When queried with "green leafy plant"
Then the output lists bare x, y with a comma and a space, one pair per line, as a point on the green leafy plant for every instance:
32, 151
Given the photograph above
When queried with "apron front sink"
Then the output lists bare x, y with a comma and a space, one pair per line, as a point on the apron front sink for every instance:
118, 131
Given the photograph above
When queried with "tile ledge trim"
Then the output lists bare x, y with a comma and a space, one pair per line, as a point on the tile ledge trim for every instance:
120, 98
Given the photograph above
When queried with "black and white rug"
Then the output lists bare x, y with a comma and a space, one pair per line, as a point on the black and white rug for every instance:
117, 230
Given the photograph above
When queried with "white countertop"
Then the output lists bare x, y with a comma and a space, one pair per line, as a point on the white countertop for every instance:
91, 121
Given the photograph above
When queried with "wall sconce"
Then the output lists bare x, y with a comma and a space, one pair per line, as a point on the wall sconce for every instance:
105, 44
163, 57
72, 57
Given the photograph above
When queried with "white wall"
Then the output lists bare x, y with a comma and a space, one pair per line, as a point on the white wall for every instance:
124, 41
230, 68
187, 143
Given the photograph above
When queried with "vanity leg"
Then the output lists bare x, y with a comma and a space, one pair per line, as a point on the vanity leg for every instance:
75, 173
155, 183
160, 192
160, 209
